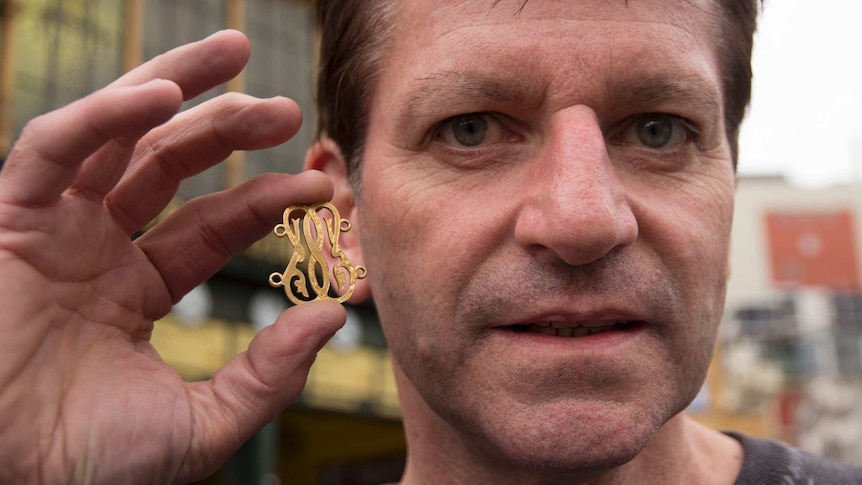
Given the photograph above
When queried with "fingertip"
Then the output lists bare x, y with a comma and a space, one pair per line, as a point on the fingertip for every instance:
293, 112
313, 322
295, 338
233, 35
157, 101
234, 42
328, 316
162, 83
314, 177
166, 89
251, 123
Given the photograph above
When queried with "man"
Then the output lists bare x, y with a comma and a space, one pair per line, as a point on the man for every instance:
542, 194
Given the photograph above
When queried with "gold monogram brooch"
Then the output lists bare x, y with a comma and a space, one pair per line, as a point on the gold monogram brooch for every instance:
311, 227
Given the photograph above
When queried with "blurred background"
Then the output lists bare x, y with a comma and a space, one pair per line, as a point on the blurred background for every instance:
789, 358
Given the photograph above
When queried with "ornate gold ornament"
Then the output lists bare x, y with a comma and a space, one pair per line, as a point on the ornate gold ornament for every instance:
309, 233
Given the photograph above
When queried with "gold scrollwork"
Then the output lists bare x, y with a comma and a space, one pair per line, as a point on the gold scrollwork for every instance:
308, 235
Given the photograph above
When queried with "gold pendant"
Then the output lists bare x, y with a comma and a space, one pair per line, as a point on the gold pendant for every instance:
308, 233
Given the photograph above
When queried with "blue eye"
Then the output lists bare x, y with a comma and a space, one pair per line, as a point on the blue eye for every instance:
658, 131
470, 130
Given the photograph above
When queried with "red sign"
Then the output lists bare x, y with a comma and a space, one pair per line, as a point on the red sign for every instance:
813, 249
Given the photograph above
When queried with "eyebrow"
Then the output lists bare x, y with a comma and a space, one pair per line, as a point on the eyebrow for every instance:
636, 91
446, 87
659, 89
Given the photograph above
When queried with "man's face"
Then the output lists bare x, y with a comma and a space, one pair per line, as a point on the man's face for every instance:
545, 208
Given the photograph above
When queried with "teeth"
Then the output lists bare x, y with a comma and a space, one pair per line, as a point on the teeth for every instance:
559, 330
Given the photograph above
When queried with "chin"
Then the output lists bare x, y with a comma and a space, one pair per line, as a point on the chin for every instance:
586, 443
565, 464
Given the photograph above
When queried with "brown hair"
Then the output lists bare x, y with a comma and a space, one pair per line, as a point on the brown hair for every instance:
737, 39
353, 35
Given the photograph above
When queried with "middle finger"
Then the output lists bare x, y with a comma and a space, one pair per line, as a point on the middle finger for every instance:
192, 142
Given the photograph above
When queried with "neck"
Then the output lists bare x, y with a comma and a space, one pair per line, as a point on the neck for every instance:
682, 451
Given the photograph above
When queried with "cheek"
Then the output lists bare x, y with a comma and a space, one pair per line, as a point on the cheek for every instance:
423, 242
708, 225
404, 253
706, 273
688, 221
686, 228
429, 231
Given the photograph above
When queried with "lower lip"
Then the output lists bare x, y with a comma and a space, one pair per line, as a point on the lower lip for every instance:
609, 340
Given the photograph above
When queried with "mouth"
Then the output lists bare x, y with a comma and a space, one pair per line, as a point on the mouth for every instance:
563, 329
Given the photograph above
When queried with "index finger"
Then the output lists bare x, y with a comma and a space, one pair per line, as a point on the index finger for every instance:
195, 67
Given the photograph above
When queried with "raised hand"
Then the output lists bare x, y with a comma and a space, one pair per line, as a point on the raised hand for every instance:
84, 397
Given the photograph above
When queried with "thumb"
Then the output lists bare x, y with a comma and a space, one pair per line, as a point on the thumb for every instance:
258, 384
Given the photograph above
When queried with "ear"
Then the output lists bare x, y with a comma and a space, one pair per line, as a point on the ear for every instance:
326, 156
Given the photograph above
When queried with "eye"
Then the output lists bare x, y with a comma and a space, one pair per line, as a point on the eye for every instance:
471, 130
658, 131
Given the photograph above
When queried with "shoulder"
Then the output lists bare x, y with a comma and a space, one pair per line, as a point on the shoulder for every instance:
774, 462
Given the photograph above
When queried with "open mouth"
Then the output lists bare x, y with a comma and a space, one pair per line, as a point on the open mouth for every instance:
557, 329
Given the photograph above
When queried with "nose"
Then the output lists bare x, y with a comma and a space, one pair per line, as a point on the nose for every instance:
574, 203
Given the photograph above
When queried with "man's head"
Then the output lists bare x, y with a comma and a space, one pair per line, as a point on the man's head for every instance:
545, 208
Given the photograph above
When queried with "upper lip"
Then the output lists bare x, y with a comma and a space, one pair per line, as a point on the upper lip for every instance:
616, 288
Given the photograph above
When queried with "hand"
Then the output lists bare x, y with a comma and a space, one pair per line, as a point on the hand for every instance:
84, 397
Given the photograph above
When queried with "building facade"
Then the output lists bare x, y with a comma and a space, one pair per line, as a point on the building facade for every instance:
791, 344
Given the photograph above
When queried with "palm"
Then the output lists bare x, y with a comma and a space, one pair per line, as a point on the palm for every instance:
96, 323
85, 397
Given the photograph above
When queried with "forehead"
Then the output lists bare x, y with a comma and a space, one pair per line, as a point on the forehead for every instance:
556, 46
422, 20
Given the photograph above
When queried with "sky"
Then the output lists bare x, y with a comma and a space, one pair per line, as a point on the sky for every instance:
805, 119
